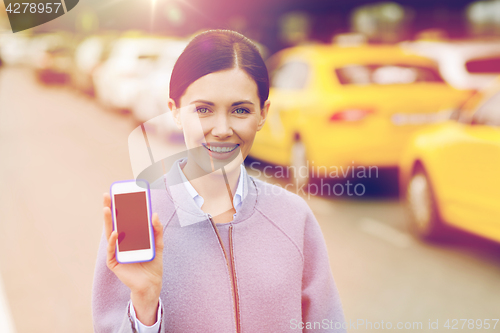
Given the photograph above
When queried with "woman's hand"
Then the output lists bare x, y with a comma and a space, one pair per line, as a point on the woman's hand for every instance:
144, 279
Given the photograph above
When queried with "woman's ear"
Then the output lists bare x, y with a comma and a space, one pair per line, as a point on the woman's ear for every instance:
263, 114
176, 114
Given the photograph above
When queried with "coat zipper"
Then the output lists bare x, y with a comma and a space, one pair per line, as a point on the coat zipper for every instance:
233, 273
234, 289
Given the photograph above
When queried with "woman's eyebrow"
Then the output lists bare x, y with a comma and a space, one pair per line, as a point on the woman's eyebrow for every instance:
241, 102
212, 104
202, 101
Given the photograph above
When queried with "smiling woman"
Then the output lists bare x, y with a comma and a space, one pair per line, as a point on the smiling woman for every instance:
240, 255
222, 120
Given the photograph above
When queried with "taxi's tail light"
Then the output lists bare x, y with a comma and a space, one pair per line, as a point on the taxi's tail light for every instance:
350, 115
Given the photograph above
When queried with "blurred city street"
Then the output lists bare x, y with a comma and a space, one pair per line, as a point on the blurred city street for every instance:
60, 150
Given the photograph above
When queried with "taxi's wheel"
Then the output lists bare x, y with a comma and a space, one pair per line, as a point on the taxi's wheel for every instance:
422, 206
298, 162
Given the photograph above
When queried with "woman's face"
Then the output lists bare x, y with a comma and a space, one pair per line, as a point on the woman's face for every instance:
220, 114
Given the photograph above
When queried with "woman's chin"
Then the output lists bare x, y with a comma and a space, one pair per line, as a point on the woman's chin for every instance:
210, 163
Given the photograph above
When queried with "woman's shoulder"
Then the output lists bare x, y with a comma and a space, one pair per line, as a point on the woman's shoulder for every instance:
286, 210
278, 199
161, 201
158, 184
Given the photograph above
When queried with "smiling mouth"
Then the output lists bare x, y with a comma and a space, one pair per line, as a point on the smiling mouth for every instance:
220, 149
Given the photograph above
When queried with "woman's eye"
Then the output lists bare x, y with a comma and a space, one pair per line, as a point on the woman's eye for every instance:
241, 111
202, 110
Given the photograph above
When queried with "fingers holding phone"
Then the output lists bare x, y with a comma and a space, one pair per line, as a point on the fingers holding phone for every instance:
158, 232
131, 215
134, 235
108, 231
108, 223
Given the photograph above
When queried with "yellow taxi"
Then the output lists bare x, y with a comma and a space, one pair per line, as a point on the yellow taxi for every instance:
337, 108
450, 172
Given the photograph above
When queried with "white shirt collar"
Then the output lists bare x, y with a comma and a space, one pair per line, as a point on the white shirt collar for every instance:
238, 196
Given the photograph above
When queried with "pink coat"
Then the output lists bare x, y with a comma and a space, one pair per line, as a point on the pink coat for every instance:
279, 279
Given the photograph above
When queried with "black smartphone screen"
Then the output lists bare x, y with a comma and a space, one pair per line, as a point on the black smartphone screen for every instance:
132, 221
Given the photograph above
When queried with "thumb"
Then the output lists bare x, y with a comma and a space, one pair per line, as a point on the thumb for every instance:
111, 261
158, 231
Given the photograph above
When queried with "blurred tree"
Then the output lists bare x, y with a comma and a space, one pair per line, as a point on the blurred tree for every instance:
295, 27
87, 22
386, 22
483, 18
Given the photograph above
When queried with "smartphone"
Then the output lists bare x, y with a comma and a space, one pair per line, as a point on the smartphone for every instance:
131, 213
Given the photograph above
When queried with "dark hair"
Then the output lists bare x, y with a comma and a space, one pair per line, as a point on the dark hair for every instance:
216, 50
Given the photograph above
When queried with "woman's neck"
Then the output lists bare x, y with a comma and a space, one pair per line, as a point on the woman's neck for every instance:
216, 188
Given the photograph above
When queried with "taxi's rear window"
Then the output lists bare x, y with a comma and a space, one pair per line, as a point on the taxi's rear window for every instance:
483, 66
386, 74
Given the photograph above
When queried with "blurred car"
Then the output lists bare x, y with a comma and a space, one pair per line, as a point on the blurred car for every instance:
450, 171
117, 80
52, 56
89, 55
464, 64
333, 107
15, 49
152, 96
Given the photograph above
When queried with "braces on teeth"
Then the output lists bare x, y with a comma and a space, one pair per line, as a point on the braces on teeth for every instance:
221, 149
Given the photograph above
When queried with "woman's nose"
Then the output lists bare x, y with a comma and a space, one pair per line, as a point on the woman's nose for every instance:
222, 127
